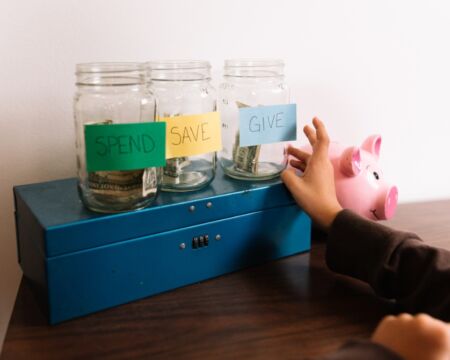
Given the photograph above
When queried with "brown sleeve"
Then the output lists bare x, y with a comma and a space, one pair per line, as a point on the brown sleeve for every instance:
357, 350
398, 265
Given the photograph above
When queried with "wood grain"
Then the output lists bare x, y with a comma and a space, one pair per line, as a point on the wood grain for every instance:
294, 308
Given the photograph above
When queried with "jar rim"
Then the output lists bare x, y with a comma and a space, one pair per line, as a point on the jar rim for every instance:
178, 64
109, 67
253, 63
254, 68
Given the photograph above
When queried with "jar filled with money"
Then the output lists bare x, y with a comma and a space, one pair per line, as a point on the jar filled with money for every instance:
257, 119
186, 102
120, 151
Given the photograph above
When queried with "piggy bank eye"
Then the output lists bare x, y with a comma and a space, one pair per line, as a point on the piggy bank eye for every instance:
375, 174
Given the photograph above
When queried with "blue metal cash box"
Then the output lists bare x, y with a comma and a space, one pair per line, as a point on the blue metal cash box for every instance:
79, 262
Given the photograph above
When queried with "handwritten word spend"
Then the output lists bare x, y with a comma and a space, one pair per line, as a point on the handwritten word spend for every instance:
129, 146
124, 144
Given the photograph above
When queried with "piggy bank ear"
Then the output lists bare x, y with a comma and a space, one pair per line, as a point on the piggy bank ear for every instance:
372, 145
350, 162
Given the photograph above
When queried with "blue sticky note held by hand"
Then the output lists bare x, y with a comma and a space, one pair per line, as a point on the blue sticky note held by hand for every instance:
267, 124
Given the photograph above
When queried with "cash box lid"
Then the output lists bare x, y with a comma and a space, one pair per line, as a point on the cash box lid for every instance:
67, 226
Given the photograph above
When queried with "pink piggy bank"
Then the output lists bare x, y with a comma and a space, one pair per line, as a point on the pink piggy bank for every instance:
360, 184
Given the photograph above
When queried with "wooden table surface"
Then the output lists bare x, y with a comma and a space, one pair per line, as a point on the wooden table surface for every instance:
293, 308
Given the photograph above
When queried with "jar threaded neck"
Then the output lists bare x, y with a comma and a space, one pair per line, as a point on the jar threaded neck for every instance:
254, 68
179, 70
110, 73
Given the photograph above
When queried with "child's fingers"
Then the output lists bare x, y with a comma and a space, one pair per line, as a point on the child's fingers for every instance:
310, 134
291, 180
323, 140
321, 131
299, 154
298, 164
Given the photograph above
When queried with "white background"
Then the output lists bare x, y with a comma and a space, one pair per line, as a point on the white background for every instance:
362, 66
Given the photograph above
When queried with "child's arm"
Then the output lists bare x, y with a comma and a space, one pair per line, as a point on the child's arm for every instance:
363, 350
396, 264
403, 337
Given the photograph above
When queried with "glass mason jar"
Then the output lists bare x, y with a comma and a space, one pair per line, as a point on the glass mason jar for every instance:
250, 83
182, 87
113, 93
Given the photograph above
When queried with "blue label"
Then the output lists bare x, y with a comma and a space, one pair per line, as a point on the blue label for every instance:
267, 124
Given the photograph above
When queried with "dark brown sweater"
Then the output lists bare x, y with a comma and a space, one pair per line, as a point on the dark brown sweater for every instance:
396, 264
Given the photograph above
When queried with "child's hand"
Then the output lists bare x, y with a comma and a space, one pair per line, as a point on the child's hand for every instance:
414, 337
314, 191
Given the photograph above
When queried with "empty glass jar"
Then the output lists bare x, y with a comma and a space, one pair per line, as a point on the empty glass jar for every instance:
250, 83
182, 87
109, 94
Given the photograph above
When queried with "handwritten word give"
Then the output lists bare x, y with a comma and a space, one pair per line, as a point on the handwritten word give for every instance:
267, 124
263, 123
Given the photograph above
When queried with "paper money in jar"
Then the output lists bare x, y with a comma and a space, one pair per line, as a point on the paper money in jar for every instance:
174, 167
245, 158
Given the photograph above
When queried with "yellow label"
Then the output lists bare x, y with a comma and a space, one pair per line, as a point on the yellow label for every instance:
188, 135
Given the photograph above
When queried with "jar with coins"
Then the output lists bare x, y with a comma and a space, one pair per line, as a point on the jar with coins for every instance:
120, 152
257, 119
186, 102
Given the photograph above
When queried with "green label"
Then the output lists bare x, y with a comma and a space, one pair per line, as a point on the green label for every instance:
125, 146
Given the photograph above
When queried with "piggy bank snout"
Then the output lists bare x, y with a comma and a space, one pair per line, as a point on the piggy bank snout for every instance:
387, 203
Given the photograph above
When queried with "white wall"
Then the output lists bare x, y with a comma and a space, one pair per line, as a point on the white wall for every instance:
362, 66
